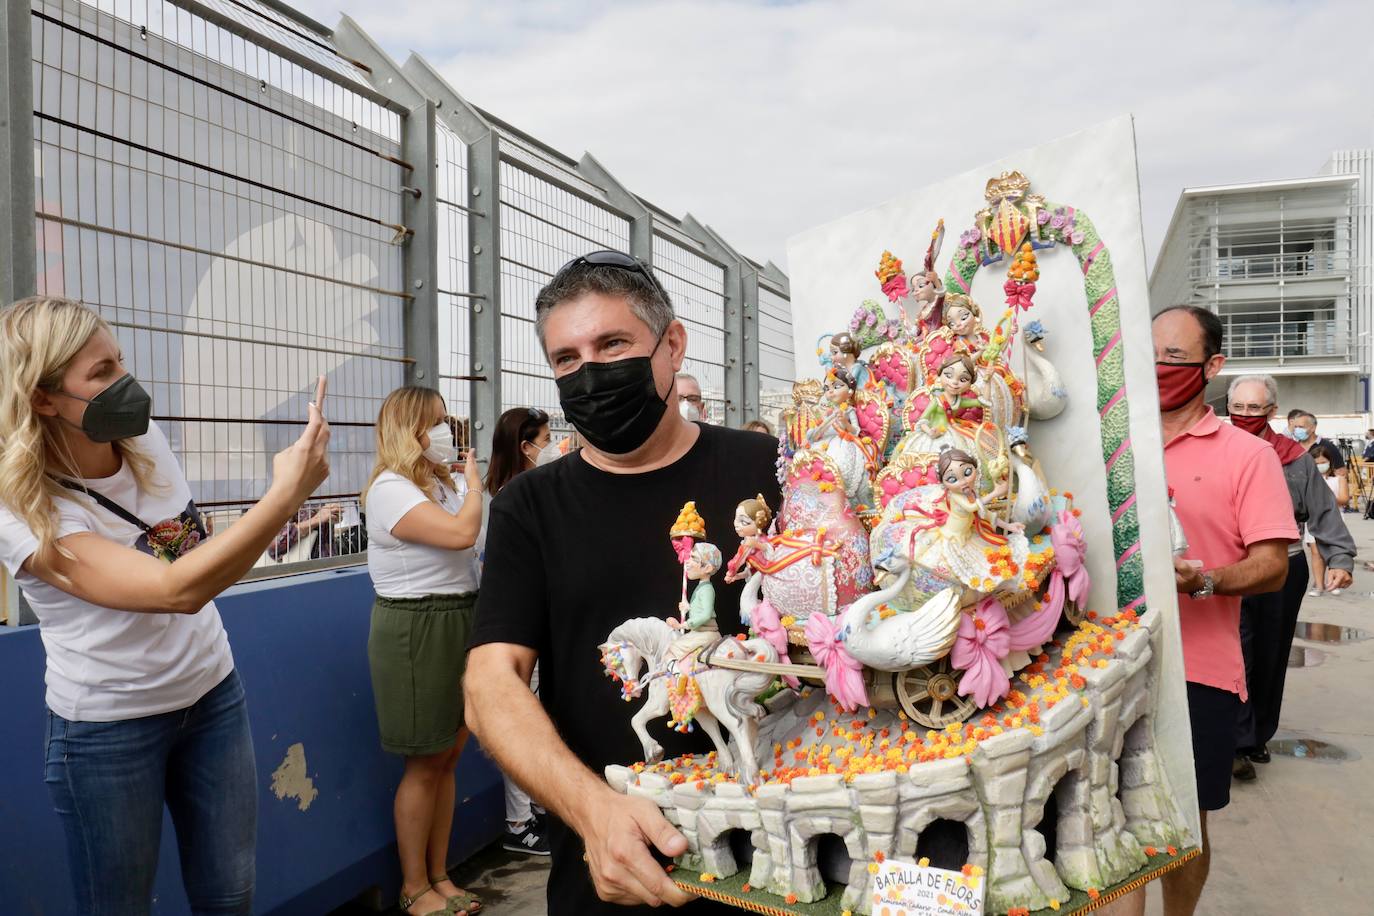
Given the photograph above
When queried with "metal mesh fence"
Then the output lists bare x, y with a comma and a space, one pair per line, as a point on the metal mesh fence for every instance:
228, 189
697, 287
777, 362
543, 226
233, 217
455, 348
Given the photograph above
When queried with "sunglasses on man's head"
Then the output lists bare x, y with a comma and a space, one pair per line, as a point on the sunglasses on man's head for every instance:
617, 259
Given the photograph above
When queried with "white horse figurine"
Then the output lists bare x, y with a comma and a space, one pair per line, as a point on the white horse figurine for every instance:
727, 695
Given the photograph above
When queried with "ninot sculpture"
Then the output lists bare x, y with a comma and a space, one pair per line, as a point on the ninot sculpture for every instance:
920, 644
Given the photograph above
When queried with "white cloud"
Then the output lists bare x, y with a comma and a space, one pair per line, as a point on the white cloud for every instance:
766, 118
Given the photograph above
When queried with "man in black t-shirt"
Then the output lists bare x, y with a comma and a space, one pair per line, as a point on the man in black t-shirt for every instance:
576, 547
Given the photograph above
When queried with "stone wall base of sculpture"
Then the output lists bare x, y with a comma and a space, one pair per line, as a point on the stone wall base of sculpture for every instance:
1095, 756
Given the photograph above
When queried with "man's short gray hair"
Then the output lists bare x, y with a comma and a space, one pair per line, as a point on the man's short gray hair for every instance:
649, 303
688, 377
1271, 387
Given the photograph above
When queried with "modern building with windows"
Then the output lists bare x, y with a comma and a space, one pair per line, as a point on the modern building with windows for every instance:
1286, 266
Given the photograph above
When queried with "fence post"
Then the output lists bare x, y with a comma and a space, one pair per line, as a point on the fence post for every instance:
484, 236
419, 213
18, 259
641, 219
741, 323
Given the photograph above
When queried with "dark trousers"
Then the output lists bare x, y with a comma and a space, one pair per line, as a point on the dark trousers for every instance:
1267, 624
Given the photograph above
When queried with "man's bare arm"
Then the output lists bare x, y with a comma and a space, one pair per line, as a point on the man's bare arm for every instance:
1264, 569
617, 830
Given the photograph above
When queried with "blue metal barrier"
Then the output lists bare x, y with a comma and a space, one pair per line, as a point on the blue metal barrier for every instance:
301, 648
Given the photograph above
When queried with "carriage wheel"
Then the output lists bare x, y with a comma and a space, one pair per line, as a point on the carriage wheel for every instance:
1072, 612
930, 695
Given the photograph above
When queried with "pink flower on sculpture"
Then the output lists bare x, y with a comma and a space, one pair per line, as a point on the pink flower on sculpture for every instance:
844, 679
896, 288
982, 643
1070, 577
766, 622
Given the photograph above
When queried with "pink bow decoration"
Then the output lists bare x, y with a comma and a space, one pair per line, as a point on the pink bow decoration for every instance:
683, 547
1019, 295
896, 288
983, 641
1070, 577
766, 622
844, 679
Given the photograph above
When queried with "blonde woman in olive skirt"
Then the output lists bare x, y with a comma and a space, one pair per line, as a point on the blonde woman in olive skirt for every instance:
422, 525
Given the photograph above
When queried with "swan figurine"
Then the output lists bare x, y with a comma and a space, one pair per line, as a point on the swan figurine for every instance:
1046, 396
904, 640
1033, 506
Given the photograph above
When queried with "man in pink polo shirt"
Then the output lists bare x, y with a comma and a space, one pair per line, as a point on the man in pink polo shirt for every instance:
1233, 503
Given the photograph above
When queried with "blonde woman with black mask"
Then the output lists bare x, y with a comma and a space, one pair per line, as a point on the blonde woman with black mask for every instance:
422, 526
98, 528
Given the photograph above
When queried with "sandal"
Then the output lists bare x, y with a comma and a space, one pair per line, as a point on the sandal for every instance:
405, 903
461, 902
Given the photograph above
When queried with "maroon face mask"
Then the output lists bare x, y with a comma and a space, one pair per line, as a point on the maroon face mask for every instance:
1255, 426
1179, 383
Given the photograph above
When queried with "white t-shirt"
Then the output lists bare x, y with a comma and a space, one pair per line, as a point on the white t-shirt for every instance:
104, 664
405, 569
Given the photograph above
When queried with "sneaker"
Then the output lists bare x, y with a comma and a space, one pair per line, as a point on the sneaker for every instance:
528, 839
1336, 591
1315, 593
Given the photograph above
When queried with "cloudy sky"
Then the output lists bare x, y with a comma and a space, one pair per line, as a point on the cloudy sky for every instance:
765, 118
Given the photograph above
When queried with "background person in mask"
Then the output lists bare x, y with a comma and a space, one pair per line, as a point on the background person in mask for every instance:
1268, 621
1232, 502
1326, 453
422, 526
575, 548
689, 400
97, 526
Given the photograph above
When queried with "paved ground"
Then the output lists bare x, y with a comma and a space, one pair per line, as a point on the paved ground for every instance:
1297, 840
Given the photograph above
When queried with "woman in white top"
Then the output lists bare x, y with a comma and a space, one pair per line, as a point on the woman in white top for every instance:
99, 530
422, 526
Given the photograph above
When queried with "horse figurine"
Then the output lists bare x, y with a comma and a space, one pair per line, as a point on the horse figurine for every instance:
716, 696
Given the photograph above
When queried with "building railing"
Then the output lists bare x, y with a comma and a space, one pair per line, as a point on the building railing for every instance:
1271, 266
1272, 336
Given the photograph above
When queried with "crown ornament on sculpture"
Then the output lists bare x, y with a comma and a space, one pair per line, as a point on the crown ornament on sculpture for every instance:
1011, 213
1007, 186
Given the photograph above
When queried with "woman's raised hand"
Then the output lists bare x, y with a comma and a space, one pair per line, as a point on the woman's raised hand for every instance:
472, 475
304, 465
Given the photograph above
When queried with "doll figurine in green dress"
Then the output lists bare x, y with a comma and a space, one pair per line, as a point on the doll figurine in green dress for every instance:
698, 622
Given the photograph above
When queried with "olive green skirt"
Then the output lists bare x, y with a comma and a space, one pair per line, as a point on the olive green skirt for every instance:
417, 651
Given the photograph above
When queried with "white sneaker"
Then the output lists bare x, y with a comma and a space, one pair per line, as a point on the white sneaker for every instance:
1315, 593
1337, 591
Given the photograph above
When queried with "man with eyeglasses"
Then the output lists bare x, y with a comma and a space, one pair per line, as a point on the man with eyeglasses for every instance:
1268, 621
1230, 498
690, 403
576, 547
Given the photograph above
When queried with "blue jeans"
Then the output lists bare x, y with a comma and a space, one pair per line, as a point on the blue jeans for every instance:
110, 780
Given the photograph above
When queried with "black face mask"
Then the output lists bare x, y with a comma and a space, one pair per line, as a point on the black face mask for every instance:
121, 411
615, 406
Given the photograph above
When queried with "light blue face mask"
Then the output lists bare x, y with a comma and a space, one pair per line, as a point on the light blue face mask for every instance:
1300, 433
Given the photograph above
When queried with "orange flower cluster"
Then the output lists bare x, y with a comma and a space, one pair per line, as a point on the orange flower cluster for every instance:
1036, 566
1024, 268
888, 267
1000, 562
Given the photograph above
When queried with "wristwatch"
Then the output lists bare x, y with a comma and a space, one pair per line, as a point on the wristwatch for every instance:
1208, 587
